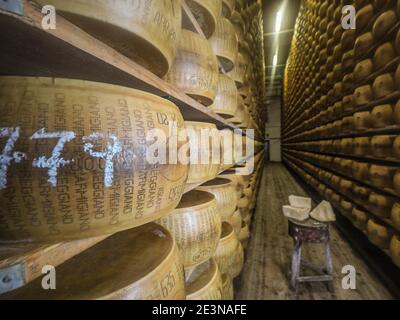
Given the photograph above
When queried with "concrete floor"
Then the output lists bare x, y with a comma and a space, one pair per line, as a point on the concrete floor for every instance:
268, 255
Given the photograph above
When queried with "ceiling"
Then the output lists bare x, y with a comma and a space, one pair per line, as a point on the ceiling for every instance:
281, 41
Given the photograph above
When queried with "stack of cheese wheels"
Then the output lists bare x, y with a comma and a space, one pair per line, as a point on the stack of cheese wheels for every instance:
225, 44
206, 12
227, 250
196, 226
204, 282
195, 68
136, 264
225, 194
148, 33
227, 287
225, 103
77, 159
205, 159
395, 249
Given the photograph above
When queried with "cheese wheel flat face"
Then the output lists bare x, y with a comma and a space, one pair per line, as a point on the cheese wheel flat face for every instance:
147, 32
195, 68
206, 13
137, 264
225, 43
204, 282
196, 227
75, 161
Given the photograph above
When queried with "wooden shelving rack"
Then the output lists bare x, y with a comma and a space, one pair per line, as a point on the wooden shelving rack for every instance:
70, 52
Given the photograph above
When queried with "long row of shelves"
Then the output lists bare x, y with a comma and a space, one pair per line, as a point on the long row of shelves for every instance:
386, 191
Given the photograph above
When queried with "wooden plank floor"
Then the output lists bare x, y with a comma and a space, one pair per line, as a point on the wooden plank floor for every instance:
268, 256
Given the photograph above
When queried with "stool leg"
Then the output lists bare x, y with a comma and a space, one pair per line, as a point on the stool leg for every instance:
296, 261
328, 258
329, 264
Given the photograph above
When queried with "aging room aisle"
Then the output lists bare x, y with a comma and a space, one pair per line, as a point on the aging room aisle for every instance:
268, 260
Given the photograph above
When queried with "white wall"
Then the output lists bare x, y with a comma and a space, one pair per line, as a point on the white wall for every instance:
273, 129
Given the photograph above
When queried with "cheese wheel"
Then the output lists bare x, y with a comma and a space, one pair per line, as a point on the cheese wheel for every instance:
382, 116
346, 146
363, 69
364, 16
382, 146
78, 165
362, 120
359, 219
363, 43
225, 256
383, 85
226, 101
361, 146
348, 61
395, 249
378, 234
206, 13
381, 205
348, 38
146, 32
225, 43
384, 23
137, 264
238, 180
395, 215
383, 55
196, 227
204, 143
381, 176
345, 186
227, 287
239, 70
225, 194
361, 192
346, 206
363, 95
204, 283
195, 68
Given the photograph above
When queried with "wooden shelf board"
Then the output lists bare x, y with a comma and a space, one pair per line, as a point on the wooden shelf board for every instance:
69, 52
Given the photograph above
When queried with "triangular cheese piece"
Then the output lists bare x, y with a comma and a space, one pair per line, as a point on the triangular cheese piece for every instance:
323, 212
299, 214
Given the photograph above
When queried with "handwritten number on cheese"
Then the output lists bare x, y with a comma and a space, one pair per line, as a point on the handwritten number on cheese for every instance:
55, 161
7, 154
113, 148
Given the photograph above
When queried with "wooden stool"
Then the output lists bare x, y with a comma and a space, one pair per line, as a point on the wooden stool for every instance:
310, 231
